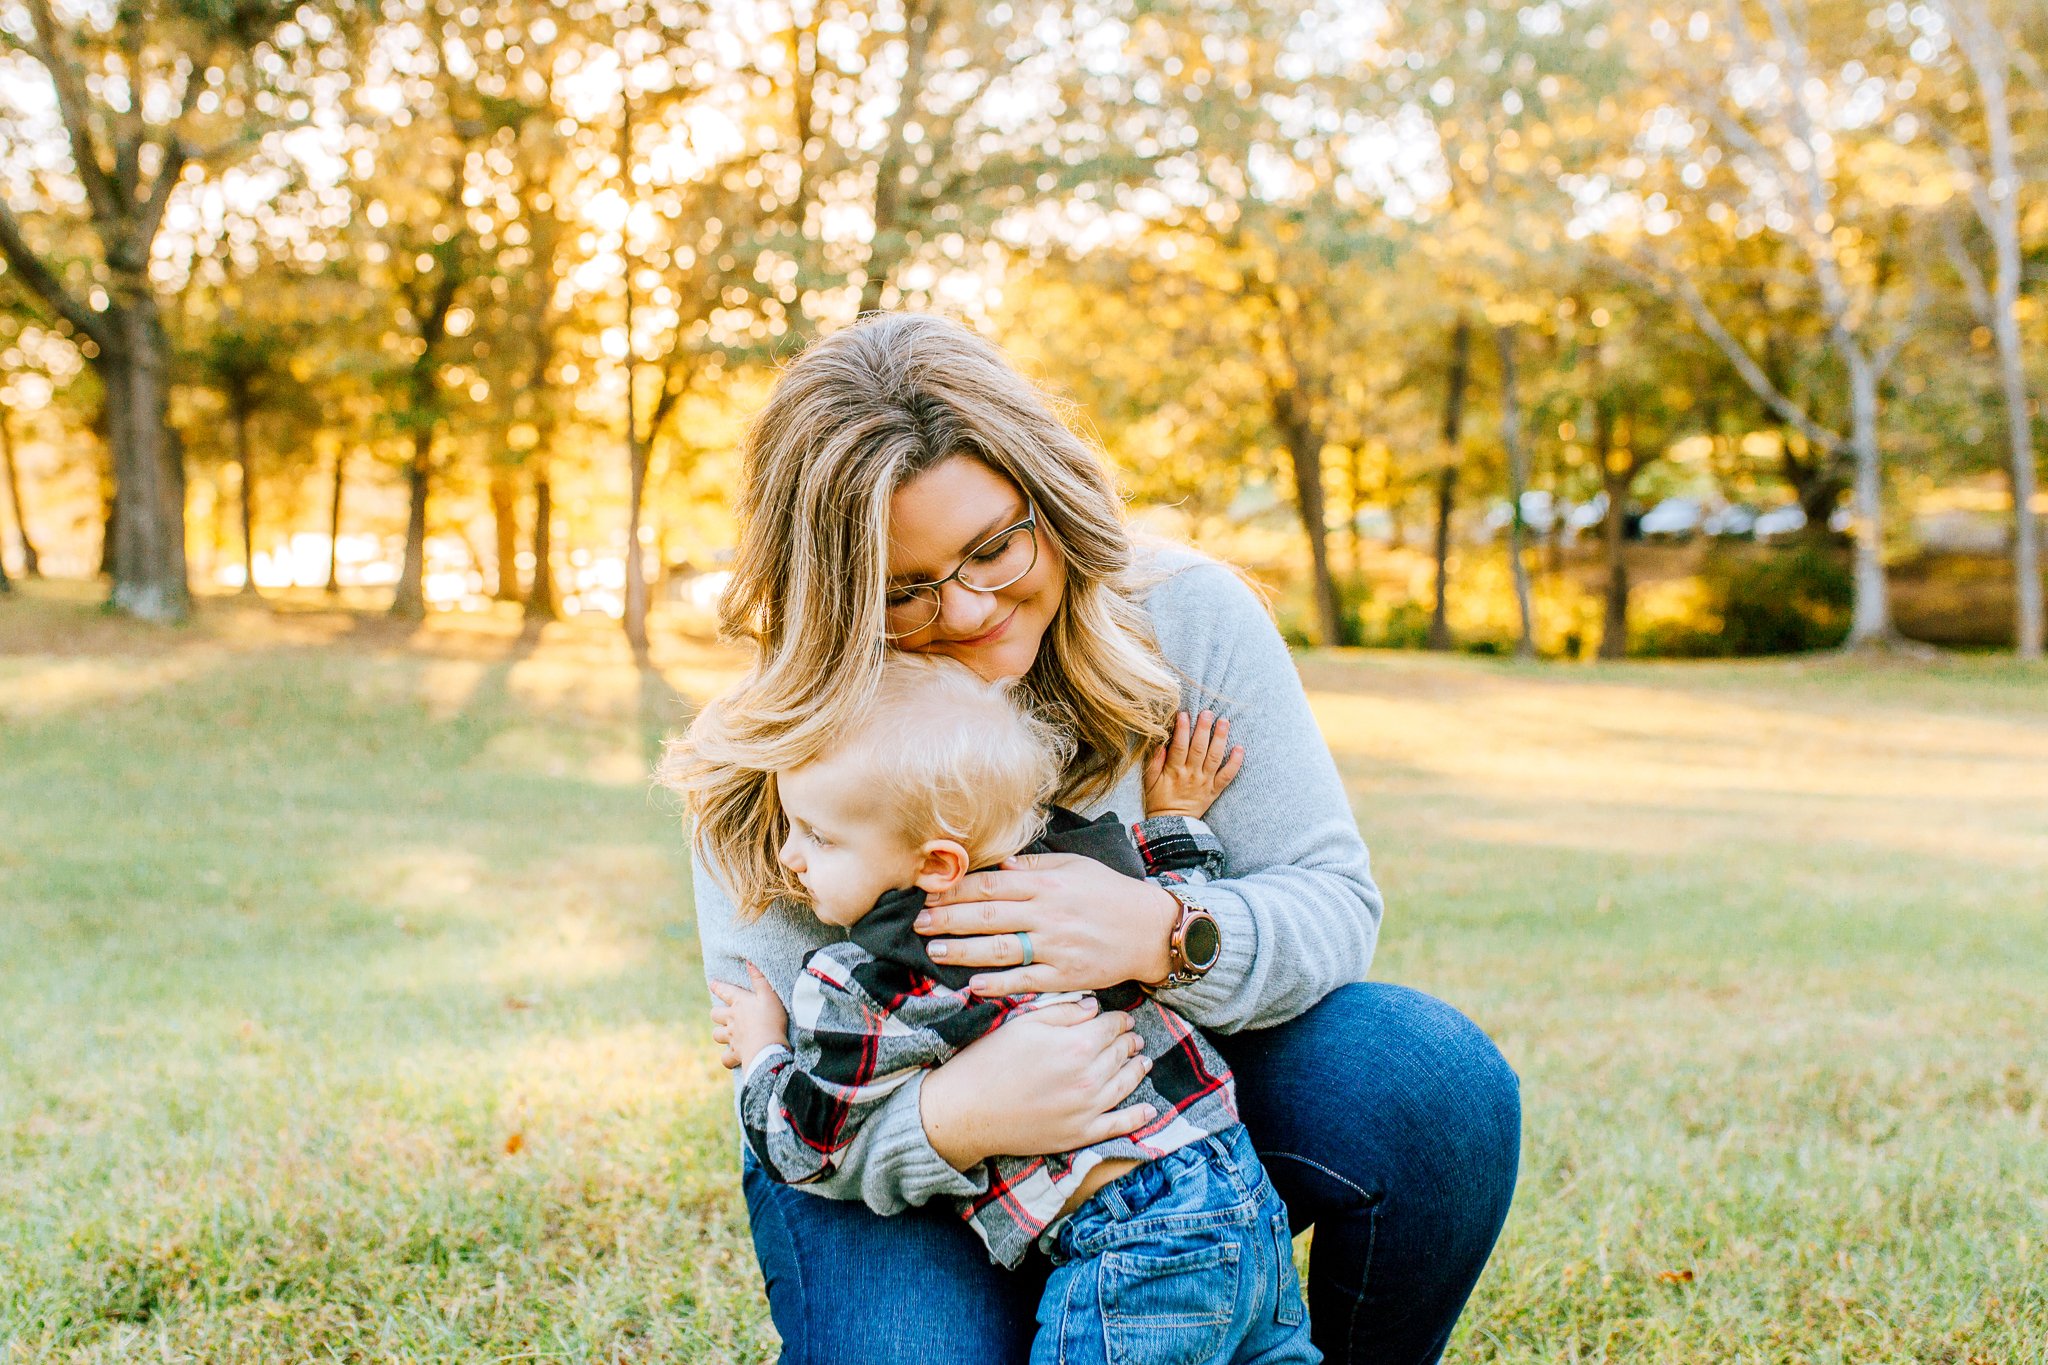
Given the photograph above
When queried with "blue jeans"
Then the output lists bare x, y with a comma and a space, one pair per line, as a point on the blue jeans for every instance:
1385, 1119
1184, 1261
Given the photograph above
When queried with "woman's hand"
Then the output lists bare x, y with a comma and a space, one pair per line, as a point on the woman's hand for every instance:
747, 1020
1090, 927
1046, 1081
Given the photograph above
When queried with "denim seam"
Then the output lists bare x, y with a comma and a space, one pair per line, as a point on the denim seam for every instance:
1371, 1200
1372, 1237
803, 1293
1066, 1318
1120, 1234
1372, 1228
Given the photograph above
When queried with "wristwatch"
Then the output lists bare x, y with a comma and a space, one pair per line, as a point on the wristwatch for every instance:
1195, 944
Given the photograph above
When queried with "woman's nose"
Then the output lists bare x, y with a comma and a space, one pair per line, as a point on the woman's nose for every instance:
965, 613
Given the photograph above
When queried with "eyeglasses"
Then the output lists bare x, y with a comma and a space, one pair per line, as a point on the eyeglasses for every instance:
991, 566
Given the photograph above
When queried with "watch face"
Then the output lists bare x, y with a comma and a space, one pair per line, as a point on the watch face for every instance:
1202, 942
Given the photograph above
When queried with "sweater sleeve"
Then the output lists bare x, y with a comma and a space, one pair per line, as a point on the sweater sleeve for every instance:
1298, 909
802, 1109
889, 1165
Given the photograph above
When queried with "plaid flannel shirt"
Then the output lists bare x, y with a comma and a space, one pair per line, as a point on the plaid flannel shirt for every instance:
868, 1014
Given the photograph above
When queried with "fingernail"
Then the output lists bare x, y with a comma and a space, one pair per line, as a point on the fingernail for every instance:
977, 983
924, 919
938, 952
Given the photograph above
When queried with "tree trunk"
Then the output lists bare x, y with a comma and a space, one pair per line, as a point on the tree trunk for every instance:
1870, 621
423, 385
149, 476
31, 562
1518, 481
409, 602
1447, 479
1305, 455
636, 558
247, 481
886, 247
1356, 502
2005, 300
505, 525
110, 526
540, 596
6, 584
334, 521
1815, 481
1617, 477
1997, 204
2026, 544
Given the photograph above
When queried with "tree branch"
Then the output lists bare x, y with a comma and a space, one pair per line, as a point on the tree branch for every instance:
1965, 161
160, 192
46, 286
73, 107
1968, 271
1704, 317
1888, 354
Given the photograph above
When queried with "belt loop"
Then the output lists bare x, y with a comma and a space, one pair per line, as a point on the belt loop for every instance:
1226, 1150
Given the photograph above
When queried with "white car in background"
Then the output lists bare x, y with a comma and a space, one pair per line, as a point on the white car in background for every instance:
1736, 520
1539, 513
1779, 521
1673, 517
1587, 515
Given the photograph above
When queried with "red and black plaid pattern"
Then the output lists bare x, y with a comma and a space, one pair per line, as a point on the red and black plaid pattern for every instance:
868, 1014
862, 1027
1178, 849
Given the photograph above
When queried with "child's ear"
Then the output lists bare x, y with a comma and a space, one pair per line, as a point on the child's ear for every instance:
944, 862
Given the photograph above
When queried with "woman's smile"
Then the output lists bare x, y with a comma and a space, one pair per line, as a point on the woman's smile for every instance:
989, 636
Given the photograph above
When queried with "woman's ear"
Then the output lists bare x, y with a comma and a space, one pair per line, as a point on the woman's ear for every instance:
944, 862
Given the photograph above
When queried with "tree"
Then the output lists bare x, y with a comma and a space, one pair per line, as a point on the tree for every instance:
31, 562
144, 94
245, 364
1518, 482
1457, 379
429, 301
1992, 183
1775, 113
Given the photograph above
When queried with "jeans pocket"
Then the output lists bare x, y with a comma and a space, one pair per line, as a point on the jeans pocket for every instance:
1169, 1310
1288, 1310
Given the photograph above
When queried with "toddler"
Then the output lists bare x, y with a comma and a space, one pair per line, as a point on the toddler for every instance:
1167, 1244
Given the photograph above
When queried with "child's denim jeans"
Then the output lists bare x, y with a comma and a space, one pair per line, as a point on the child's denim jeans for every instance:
1184, 1261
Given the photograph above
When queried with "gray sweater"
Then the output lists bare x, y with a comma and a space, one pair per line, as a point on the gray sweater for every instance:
1298, 908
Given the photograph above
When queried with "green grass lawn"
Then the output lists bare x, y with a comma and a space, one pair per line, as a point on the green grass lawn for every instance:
350, 1007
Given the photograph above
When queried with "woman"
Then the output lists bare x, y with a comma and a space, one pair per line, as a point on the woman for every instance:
906, 488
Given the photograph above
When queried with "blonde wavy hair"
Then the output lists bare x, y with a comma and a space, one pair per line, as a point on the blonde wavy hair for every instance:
851, 420
944, 755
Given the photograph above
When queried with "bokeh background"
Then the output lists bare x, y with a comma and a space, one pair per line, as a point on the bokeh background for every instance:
1580, 377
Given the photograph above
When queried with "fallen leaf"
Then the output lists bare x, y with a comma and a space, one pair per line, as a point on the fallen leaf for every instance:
518, 1002
516, 1144
1675, 1276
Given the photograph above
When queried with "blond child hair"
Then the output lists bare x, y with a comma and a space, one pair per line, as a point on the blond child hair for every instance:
947, 755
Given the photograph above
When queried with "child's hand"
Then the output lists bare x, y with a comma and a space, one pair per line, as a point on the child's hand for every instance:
1189, 771
747, 1019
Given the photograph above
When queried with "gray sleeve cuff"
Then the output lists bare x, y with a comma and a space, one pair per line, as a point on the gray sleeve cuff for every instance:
891, 1165
761, 1059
